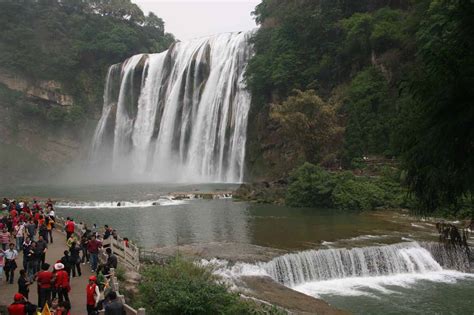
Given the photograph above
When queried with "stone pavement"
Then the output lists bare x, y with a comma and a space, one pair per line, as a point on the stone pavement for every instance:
54, 253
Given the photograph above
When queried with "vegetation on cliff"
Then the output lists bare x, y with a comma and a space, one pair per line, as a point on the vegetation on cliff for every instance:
398, 75
74, 42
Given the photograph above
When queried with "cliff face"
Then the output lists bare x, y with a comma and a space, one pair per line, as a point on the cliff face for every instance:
43, 91
30, 144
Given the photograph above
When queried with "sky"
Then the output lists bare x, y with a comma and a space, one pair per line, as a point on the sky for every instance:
188, 19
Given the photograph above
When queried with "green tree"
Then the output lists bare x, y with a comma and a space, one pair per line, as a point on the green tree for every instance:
438, 151
310, 124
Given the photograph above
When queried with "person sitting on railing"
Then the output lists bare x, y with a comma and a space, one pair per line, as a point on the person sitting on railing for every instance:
107, 232
112, 261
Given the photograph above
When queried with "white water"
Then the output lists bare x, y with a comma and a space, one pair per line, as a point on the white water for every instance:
115, 204
177, 116
355, 271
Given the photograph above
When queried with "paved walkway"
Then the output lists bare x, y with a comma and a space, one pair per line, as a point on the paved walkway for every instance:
54, 253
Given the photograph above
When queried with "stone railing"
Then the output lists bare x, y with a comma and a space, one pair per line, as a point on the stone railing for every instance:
127, 256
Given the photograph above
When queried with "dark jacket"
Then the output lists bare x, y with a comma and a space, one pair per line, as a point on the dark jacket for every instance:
115, 308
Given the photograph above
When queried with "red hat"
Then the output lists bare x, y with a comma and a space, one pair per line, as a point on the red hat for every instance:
18, 297
93, 278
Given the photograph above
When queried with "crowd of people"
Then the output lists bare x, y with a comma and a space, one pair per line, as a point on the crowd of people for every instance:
26, 232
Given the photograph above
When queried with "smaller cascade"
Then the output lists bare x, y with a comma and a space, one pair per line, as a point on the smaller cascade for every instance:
320, 265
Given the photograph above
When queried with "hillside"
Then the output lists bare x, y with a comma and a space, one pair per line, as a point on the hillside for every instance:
54, 56
334, 82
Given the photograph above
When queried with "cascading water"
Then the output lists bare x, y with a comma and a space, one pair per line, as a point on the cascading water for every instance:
180, 115
321, 265
375, 261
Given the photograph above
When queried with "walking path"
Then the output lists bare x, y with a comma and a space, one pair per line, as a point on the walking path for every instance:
54, 253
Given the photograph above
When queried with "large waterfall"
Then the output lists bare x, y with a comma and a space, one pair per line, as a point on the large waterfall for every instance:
180, 115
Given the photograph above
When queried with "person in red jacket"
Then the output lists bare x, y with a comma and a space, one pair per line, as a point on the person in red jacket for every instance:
21, 306
44, 278
69, 228
61, 283
92, 295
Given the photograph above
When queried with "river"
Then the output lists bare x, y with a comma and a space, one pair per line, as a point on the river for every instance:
367, 286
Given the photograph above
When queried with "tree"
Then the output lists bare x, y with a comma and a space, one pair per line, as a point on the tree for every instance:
437, 144
155, 22
311, 124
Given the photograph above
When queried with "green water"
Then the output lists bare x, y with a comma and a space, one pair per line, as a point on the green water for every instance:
202, 221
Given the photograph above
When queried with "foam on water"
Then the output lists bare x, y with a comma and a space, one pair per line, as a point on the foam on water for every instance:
372, 286
356, 271
123, 204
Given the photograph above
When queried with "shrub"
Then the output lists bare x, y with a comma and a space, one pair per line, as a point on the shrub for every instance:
182, 287
310, 186
357, 194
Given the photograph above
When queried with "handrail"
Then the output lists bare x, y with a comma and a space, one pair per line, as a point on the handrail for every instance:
129, 257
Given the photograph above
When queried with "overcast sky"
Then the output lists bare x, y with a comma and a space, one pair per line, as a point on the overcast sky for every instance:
188, 19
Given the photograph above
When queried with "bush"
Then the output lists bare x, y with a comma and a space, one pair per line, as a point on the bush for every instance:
357, 194
182, 287
310, 186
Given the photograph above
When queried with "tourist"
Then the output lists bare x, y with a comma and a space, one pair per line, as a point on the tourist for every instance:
85, 253
111, 261
2, 264
19, 232
66, 261
31, 229
5, 238
21, 306
107, 232
43, 231
92, 296
93, 248
45, 280
42, 246
24, 283
125, 242
33, 258
64, 308
50, 226
26, 248
70, 226
114, 306
10, 262
61, 283
75, 259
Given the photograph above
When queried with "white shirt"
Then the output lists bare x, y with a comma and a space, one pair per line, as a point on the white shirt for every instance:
51, 213
19, 229
10, 254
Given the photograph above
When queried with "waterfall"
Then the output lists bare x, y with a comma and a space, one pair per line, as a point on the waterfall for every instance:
180, 115
374, 261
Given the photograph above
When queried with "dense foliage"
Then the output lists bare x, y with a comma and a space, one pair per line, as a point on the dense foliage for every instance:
75, 41
182, 287
312, 186
309, 124
399, 75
